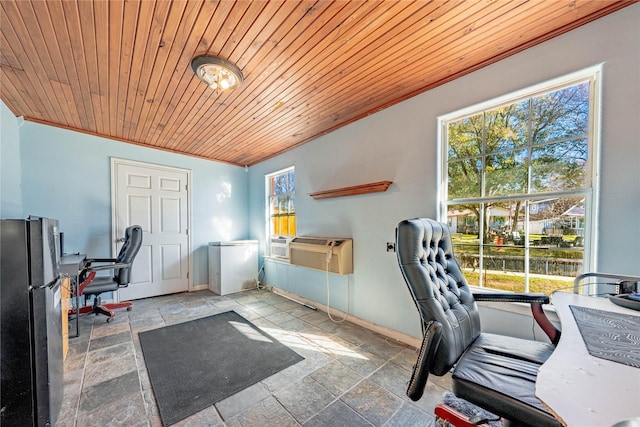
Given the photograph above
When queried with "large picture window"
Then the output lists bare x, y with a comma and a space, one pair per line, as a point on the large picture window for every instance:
518, 186
281, 216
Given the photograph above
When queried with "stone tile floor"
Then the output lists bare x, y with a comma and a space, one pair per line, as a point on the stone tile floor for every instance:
350, 376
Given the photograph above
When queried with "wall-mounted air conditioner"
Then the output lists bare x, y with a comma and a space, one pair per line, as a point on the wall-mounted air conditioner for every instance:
314, 252
279, 246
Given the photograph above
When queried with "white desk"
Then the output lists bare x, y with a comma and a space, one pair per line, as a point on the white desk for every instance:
578, 388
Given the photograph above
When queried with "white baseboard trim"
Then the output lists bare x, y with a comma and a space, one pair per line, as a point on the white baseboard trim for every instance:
338, 314
201, 287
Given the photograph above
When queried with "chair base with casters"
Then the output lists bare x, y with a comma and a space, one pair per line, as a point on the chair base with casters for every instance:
98, 286
97, 307
495, 372
105, 309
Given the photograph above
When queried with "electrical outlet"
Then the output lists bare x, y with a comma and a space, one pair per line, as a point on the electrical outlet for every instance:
626, 287
391, 247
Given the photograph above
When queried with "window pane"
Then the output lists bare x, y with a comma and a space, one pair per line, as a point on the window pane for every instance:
552, 221
556, 232
561, 166
273, 219
504, 255
463, 222
503, 267
506, 127
464, 178
506, 173
561, 114
291, 182
465, 137
292, 215
505, 222
464, 226
281, 184
292, 224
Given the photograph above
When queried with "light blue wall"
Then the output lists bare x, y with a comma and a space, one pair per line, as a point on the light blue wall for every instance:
10, 173
399, 144
67, 175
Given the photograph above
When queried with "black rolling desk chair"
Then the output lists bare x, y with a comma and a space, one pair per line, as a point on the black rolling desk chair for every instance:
91, 284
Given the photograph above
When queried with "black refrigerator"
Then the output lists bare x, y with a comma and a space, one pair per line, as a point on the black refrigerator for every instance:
31, 322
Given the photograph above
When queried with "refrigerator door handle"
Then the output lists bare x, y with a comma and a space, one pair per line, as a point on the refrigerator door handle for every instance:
55, 281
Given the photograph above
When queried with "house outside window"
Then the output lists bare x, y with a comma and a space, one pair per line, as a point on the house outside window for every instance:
281, 215
518, 186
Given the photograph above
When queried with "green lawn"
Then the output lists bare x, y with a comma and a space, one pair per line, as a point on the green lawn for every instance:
515, 282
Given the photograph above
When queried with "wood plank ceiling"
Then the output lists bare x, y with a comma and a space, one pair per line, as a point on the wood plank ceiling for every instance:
121, 69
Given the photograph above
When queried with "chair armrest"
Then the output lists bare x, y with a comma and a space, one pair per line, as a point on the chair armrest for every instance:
535, 301
85, 281
512, 297
430, 343
109, 267
88, 262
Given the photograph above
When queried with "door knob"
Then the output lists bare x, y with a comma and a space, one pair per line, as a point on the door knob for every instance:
121, 240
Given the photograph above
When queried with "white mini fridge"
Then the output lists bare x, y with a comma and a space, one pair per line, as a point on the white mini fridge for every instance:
233, 266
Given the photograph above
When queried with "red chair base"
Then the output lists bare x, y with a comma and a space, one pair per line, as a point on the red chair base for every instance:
104, 309
453, 417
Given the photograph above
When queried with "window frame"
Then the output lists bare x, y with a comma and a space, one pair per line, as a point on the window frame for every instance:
590, 192
268, 214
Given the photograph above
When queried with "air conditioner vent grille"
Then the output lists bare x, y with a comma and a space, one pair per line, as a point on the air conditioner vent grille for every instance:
311, 241
320, 253
279, 247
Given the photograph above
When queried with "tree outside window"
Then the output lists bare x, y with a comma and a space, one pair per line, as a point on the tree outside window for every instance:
519, 188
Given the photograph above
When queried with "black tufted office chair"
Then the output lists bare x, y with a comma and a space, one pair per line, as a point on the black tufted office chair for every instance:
495, 372
121, 266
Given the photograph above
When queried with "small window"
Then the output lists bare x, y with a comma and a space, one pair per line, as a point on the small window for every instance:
281, 217
518, 187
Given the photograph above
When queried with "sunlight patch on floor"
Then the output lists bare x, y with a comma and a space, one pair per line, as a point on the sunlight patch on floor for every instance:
312, 342
249, 332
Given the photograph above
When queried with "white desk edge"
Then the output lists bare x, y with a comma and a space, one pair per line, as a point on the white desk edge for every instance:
580, 389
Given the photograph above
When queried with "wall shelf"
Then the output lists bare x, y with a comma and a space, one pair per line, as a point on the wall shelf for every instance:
374, 187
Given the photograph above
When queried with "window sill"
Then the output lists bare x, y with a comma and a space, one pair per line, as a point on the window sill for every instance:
277, 260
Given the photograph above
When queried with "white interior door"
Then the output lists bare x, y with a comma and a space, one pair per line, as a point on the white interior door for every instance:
156, 198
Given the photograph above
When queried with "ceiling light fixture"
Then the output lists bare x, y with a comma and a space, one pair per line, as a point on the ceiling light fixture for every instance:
217, 73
